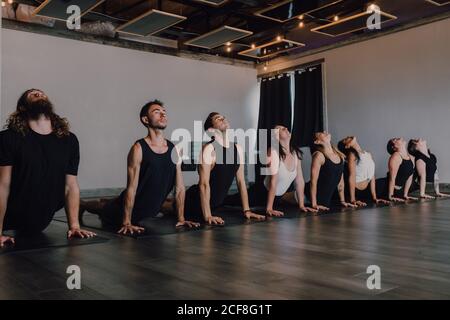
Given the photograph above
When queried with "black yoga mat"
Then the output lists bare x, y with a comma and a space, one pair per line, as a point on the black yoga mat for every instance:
153, 226
55, 236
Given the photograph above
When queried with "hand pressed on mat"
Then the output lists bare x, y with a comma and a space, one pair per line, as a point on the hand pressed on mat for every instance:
251, 215
214, 220
318, 207
131, 229
308, 209
274, 213
79, 233
380, 201
186, 223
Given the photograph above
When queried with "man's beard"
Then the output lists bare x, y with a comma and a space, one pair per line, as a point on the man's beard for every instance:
36, 109
156, 126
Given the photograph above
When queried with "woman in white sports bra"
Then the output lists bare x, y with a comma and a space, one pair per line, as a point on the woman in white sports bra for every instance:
284, 168
360, 173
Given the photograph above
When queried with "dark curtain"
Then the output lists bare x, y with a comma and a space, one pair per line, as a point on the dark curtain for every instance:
308, 105
275, 103
274, 108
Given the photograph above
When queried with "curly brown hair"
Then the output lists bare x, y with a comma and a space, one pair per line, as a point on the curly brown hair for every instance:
18, 120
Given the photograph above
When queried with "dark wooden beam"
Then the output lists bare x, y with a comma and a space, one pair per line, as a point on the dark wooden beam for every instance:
122, 43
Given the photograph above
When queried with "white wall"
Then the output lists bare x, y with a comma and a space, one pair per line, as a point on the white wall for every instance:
101, 89
395, 85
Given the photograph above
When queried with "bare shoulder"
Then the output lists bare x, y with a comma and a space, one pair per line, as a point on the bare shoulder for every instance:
135, 154
351, 157
318, 156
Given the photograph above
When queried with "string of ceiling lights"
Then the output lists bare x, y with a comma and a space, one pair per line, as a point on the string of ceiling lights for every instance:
224, 36
301, 24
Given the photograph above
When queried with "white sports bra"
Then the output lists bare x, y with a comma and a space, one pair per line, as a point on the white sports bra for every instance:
284, 178
365, 167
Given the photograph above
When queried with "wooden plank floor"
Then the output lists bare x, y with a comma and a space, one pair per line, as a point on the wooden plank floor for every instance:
317, 257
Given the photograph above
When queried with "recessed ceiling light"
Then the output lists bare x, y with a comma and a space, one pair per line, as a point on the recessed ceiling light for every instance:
372, 7
350, 24
218, 37
272, 48
290, 9
150, 22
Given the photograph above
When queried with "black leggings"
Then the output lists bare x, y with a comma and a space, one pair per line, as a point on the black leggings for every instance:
111, 213
257, 196
382, 187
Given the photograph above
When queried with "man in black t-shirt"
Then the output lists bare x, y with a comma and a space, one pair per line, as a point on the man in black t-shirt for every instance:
39, 160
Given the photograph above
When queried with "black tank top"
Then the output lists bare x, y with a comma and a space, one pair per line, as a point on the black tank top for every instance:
329, 177
430, 163
223, 173
405, 170
156, 179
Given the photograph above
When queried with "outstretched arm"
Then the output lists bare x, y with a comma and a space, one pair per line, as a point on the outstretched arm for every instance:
394, 163
133, 168
318, 159
5, 182
421, 168
373, 191
240, 180
274, 163
407, 187
72, 193
208, 158
300, 188
341, 191
180, 192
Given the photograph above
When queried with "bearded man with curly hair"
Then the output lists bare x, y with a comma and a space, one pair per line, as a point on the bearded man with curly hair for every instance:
39, 160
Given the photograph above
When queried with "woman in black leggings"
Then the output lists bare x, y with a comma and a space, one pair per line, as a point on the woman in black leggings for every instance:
400, 176
426, 168
326, 174
284, 170
359, 173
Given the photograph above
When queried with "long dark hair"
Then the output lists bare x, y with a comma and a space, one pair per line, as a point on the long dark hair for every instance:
347, 151
18, 120
293, 148
314, 147
390, 147
412, 148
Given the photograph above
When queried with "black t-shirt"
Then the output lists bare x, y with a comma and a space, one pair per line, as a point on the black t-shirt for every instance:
40, 164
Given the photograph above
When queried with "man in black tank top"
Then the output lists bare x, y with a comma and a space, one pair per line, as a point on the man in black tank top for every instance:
220, 162
153, 170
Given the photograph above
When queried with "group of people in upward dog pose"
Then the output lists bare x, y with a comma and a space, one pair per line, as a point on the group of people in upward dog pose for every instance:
39, 160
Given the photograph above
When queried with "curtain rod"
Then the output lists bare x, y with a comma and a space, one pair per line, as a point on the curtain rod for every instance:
293, 68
